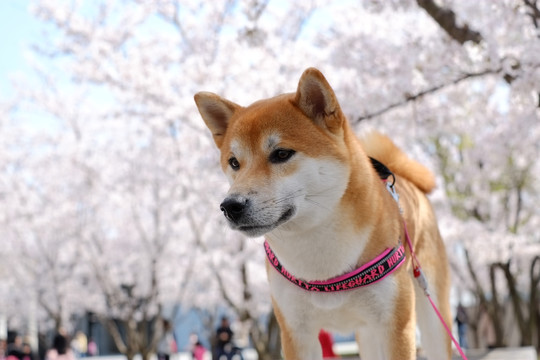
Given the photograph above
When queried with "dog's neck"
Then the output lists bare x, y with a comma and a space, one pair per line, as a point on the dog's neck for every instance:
339, 244
314, 254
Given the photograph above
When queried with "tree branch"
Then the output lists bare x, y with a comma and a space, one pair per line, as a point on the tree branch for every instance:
446, 18
534, 13
428, 91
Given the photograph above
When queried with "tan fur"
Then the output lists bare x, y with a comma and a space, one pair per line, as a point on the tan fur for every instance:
301, 177
383, 149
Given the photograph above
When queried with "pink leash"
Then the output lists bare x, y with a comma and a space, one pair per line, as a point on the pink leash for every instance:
417, 269
421, 279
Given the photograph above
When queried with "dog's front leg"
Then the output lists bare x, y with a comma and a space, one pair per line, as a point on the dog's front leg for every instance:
300, 345
298, 342
393, 336
384, 343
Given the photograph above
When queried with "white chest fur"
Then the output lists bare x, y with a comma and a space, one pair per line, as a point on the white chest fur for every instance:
324, 252
343, 311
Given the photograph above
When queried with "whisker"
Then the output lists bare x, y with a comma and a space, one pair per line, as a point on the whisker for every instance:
272, 202
318, 204
289, 196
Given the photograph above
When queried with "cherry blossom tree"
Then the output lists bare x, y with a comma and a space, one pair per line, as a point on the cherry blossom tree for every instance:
124, 178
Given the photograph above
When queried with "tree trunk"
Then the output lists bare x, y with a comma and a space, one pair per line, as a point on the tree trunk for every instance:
479, 291
483, 304
534, 311
517, 304
267, 343
473, 325
135, 340
495, 311
112, 328
130, 355
146, 355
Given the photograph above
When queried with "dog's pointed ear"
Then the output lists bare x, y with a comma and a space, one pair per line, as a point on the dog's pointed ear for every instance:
318, 101
216, 113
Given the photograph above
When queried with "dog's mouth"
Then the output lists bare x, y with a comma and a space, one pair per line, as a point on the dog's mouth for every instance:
259, 230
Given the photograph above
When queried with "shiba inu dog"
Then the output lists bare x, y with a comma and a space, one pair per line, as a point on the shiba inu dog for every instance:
334, 233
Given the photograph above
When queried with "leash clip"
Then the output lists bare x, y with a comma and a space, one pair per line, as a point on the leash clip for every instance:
392, 190
421, 279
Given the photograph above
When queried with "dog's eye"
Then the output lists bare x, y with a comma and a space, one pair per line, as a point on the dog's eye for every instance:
281, 155
233, 162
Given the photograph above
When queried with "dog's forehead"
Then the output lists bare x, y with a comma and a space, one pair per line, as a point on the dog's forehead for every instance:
271, 141
262, 125
242, 147
264, 141
271, 123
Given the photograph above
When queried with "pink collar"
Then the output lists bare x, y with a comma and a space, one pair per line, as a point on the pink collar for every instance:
375, 270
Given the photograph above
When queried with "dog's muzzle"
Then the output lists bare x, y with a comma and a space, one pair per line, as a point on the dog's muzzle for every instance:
243, 216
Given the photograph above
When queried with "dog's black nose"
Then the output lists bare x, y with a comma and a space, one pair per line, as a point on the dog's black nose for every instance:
234, 208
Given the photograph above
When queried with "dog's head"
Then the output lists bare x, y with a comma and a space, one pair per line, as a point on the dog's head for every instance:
285, 157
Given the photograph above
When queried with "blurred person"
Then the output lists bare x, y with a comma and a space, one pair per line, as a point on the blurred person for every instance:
15, 349
198, 351
3, 349
327, 345
60, 349
225, 349
27, 353
193, 340
167, 344
224, 336
92, 348
79, 344
462, 322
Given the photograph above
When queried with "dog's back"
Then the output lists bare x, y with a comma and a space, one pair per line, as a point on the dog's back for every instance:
414, 181
384, 150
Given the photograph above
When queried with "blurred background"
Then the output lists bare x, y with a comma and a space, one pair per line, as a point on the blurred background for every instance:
111, 234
